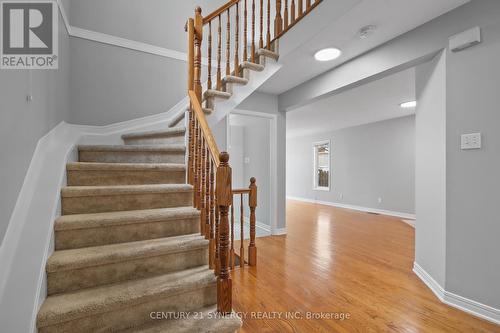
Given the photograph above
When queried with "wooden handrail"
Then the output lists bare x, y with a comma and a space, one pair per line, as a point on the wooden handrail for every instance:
219, 11
241, 191
207, 133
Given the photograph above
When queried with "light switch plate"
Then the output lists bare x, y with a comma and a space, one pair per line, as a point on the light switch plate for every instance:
471, 141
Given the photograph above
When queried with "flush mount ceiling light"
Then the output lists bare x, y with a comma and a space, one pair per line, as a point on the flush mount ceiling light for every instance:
327, 54
408, 105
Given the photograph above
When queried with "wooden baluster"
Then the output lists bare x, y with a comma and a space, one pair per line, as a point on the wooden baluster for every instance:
207, 192
190, 31
228, 44
292, 11
285, 14
278, 21
245, 33
232, 255
252, 203
224, 200
200, 179
217, 223
195, 163
301, 8
209, 83
191, 146
202, 185
237, 42
198, 37
308, 5
242, 232
269, 24
252, 55
219, 55
261, 26
211, 250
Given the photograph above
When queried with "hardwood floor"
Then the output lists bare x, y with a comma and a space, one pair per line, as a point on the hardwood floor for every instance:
337, 260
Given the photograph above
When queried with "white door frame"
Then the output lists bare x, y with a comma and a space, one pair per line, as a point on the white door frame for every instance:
273, 172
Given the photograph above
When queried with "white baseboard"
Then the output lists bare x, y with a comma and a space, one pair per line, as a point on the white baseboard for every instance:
467, 305
279, 232
354, 207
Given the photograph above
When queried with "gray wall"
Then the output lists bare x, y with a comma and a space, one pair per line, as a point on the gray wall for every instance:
251, 138
367, 162
260, 102
110, 84
430, 235
22, 124
473, 180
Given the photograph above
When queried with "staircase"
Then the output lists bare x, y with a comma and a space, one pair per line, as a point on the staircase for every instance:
145, 225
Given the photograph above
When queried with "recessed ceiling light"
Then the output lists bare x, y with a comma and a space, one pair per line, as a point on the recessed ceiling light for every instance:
407, 105
327, 54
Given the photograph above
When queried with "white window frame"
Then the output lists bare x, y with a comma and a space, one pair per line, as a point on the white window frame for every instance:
315, 179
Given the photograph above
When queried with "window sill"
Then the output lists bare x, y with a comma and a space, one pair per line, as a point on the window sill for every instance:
324, 189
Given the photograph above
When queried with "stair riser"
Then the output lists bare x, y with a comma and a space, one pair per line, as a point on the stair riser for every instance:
73, 280
179, 139
74, 239
131, 157
110, 178
139, 314
124, 202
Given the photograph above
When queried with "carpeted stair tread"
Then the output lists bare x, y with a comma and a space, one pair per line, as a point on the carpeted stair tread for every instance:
70, 306
217, 94
96, 166
208, 321
235, 79
252, 66
124, 148
101, 255
268, 54
174, 131
96, 220
89, 191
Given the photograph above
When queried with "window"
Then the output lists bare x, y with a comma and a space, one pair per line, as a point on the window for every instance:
322, 166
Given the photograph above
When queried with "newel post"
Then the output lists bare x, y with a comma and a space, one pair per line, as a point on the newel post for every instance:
198, 38
224, 201
252, 200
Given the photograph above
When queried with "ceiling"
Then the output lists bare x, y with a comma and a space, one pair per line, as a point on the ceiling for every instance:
375, 101
392, 18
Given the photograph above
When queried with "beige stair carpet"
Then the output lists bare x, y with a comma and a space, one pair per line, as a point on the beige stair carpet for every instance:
128, 244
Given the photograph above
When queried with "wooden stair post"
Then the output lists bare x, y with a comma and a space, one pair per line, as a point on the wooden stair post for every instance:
224, 201
198, 38
252, 202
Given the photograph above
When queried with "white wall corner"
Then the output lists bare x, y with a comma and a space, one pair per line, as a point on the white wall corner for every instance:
467, 305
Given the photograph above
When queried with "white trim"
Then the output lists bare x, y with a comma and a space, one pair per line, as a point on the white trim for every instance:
354, 207
279, 232
64, 16
273, 172
467, 305
103, 38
